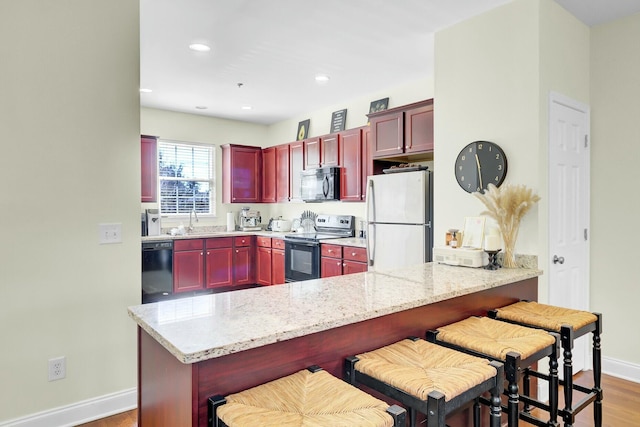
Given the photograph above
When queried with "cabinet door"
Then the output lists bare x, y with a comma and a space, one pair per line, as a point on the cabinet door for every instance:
149, 168
283, 182
387, 132
330, 267
269, 175
349, 267
219, 267
330, 146
351, 162
367, 160
188, 270
296, 157
277, 266
242, 266
241, 174
263, 266
312, 153
418, 131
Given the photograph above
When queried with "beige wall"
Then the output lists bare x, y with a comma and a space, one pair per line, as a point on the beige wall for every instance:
615, 130
69, 116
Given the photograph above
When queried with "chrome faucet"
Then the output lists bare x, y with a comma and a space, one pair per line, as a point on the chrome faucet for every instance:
193, 211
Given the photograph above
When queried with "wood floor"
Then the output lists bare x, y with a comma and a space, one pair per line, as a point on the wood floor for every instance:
620, 406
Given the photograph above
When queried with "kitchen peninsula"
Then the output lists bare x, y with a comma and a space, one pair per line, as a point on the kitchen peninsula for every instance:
192, 348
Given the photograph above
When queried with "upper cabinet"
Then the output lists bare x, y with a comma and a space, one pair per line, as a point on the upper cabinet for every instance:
149, 168
269, 170
406, 130
296, 165
352, 161
330, 149
283, 182
312, 153
241, 174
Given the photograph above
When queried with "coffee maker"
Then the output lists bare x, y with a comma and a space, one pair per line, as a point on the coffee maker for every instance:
250, 220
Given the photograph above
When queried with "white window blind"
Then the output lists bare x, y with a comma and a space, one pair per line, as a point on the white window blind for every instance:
186, 176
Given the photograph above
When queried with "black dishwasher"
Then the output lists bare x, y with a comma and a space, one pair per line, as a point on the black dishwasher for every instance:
157, 271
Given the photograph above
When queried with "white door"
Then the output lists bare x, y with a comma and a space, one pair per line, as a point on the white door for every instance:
568, 263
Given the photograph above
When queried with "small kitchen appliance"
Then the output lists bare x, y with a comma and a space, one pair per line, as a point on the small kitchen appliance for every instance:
281, 225
466, 257
153, 222
320, 185
250, 220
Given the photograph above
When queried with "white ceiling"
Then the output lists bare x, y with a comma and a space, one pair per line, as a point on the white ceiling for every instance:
275, 48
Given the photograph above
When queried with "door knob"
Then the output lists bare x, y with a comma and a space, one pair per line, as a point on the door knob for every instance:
558, 260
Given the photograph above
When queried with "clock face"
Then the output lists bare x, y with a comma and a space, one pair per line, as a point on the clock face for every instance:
479, 164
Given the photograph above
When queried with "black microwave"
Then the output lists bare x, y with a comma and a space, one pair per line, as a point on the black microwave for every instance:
319, 185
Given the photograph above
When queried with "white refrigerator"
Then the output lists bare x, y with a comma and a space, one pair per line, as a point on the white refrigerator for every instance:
399, 211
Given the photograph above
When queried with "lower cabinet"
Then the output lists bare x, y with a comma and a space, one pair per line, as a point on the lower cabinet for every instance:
269, 261
337, 260
212, 263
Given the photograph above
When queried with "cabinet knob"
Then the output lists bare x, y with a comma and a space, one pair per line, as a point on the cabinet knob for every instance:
330, 250
208, 253
353, 254
338, 263
237, 251
201, 253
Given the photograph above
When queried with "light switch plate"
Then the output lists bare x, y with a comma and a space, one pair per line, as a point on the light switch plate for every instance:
110, 233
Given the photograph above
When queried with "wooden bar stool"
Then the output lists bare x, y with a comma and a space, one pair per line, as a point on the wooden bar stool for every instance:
518, 348
428, 378
570, 324
310, 397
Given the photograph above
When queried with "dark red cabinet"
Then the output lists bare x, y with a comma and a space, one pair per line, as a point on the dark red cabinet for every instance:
330, 148
312, 153
269, 170
243, 260
263, 260
188, 265
282, 180
277, 261
405, 130
219, 262
351, 162
337, 260
241, 174
296, 165
149, 168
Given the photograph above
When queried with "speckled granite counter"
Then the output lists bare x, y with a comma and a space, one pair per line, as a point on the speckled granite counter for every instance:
200, 328
190, 349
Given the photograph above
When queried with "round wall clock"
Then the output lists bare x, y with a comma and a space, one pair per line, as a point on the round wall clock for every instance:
479, 164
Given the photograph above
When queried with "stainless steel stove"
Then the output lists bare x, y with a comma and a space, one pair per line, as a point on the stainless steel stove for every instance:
302, 250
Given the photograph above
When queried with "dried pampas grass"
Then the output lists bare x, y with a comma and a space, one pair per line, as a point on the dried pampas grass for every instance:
507, 205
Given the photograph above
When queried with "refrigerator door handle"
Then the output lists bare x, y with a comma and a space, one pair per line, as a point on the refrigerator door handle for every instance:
371, 249
370, 215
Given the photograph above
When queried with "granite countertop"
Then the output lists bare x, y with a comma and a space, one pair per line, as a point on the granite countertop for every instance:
348, 241
204, 327
205, 234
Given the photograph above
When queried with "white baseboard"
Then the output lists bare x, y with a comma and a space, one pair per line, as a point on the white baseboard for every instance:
79, 412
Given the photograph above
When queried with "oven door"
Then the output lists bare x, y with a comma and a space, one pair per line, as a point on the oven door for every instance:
301, 260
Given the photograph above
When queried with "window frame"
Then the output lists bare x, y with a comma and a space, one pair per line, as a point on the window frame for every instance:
210, 180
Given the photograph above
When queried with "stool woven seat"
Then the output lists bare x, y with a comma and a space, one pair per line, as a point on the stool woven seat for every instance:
545, 316
495, 339
305, 398
518, 347
419, 367
429, 379
570, 324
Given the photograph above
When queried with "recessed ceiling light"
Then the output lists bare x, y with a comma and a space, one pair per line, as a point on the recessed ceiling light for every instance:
201, 107
199, 47
321, 78
143, 90
246, 107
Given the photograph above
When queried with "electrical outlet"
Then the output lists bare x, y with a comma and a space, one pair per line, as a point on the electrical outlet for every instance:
57, 368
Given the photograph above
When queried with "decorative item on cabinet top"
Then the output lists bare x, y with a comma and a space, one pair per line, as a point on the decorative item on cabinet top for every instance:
303, 130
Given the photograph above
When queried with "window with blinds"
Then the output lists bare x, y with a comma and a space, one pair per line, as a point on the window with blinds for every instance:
186, 177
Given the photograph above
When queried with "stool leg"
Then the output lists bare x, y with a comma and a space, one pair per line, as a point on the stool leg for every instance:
476, 412
554, 384
597, 372
495, 410
435, 409
399, 415
511, 373
526, 389
566, 338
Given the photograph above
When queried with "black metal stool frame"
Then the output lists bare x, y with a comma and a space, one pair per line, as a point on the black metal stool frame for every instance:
514, 368
398, 414
436, 408
567, 338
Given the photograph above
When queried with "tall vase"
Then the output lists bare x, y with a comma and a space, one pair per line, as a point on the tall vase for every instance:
509, 238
